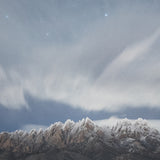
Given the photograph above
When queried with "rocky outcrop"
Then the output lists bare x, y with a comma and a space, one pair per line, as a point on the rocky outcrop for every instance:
83, 140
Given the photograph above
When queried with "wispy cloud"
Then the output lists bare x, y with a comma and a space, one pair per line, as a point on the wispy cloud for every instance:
130, 54
11, 94
88, 60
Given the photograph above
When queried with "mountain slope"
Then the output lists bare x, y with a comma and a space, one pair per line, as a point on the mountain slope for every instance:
83, 140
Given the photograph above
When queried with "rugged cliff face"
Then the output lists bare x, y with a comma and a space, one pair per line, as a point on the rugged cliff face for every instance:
83, 140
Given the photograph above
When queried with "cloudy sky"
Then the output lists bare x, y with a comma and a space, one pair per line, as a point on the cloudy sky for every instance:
64, 59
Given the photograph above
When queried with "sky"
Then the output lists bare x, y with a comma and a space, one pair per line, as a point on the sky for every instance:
63, 59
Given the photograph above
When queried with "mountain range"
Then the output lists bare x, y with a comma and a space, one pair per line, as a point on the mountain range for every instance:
83, 140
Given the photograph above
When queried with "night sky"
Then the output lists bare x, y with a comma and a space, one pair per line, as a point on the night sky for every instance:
69, 59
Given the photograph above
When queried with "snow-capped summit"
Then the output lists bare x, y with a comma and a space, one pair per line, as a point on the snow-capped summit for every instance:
139, 127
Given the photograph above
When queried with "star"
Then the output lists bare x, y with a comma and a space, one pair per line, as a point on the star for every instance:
105, 14
47, 34
6, 16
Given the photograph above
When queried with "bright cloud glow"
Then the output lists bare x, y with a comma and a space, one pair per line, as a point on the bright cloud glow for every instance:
29, 127
114, 120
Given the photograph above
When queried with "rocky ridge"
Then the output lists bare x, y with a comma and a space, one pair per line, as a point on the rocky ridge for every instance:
83, 140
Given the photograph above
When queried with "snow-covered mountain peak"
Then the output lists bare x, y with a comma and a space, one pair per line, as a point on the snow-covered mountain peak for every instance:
134, 129
68, 124
127, 136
